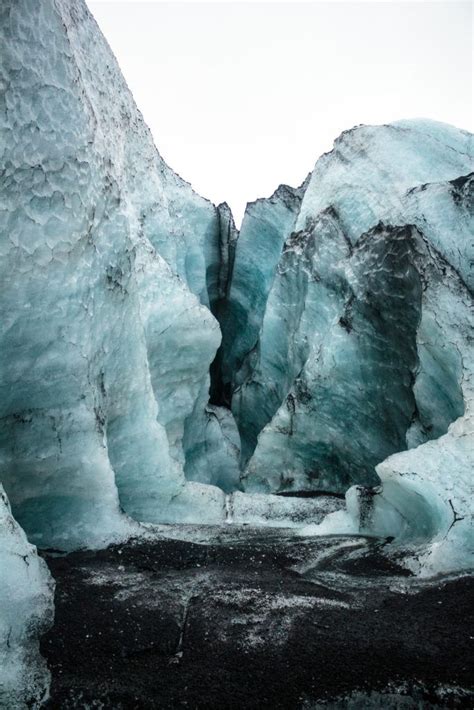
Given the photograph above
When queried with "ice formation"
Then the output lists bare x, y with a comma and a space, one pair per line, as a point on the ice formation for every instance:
364, 348
336, 326
160, 366
26, 611
108, 260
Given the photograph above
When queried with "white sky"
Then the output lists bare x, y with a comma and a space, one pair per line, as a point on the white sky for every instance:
242, 96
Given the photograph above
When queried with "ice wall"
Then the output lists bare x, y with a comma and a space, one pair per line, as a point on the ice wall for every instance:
335, 354
425, 500
266, 224
26, 611
328, 381
349, 401
107, 262
363, 346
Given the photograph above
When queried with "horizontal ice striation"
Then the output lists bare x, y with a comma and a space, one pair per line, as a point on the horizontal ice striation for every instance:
26, 611
107, 262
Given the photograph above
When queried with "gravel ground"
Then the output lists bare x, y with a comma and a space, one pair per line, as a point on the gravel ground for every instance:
256, 618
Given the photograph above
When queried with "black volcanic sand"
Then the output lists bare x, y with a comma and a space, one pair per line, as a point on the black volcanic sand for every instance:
256, 619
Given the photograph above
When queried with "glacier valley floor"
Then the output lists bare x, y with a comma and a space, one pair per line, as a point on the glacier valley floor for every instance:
241, 617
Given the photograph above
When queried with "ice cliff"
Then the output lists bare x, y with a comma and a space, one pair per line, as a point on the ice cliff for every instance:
359, 344
109, 261
108, 264
160, 366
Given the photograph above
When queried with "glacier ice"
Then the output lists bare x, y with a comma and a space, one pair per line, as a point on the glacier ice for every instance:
213, 452
425, 497
26, 611
256, 252
332, 358
307, 341
107, 262
107, 256
159, 365
350, 402
365, 345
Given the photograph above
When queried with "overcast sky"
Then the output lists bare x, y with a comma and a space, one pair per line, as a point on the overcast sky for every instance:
242, 96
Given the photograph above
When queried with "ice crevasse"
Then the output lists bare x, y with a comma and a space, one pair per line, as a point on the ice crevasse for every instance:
159, 365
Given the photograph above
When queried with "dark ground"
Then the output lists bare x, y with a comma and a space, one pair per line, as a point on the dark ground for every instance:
256, 619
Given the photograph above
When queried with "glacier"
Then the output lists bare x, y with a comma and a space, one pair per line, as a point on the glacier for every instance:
364, 356
335, 247
107, 265
161, 366
26, 611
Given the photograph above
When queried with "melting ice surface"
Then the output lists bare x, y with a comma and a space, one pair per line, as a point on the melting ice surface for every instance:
26, 611
337, 328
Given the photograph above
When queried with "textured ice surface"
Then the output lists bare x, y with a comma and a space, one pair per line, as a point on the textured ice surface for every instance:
340, 372
444, 212
355, 342
344, 305
26, 610
349, 402
214, 455
426, 493
341, 311
371, 168
425, 496
105, 258
266, 225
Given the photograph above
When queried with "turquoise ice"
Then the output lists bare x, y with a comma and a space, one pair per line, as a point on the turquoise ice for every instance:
159, 366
